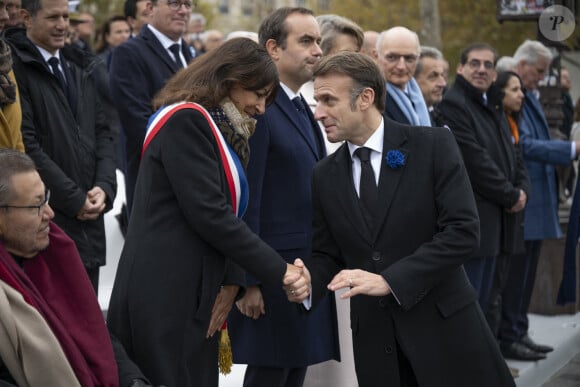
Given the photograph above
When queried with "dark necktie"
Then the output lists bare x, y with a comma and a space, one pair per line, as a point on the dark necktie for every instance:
305, 119
175, 49
368, 191
53, 62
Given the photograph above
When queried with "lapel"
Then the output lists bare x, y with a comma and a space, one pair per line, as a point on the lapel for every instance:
288, 108
71, 83
187, 52
389, 178
538, 115
321, 147
394, 112
157, 48
341, 177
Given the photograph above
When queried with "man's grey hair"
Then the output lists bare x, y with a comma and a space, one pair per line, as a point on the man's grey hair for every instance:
197, 17
332, 26
505, 63
531, 51
427, 52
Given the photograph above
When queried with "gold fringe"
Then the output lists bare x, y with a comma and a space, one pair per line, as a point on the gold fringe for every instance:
225, 359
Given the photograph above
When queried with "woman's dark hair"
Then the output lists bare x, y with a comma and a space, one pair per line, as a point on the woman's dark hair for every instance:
503, 77
501, 81
105, 30
209, 78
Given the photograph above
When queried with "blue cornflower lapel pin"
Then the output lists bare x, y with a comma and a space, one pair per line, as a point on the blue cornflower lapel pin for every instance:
395, 159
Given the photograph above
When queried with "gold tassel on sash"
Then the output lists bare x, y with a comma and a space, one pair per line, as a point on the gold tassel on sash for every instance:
225, 359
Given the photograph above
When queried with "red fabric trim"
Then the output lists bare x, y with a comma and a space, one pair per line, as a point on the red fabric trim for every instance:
57, 285
160, 124
191, 105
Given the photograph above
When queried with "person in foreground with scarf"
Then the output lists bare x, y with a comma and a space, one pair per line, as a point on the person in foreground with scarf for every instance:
178, 275
52, 332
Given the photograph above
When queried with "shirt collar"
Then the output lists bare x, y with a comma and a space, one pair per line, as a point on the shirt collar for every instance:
163, 39
375, 141
289, 92
47, 55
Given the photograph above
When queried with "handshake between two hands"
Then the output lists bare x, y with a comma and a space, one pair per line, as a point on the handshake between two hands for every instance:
297, 282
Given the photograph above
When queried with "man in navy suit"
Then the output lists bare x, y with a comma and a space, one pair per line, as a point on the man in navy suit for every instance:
394, 219
268, 333
139, 69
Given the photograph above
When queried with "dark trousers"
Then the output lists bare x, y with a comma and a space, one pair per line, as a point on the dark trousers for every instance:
494, 306
518, 293
480, 271
274, 377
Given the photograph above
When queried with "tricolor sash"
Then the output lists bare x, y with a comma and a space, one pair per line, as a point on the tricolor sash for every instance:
235, 175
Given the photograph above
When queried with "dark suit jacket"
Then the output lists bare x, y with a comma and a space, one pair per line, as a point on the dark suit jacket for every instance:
428, 226
496, 169
394, 112
139, 68
281, 162
181, 241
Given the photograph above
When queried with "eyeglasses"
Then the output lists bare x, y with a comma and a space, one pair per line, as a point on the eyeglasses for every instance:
38, 207
395, 58
475, 64
175, 5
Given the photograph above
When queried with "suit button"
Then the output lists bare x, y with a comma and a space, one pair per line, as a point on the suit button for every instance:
388, 349
376, 256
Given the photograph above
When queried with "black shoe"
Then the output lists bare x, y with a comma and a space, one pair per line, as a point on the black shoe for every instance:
531, 344
519, 351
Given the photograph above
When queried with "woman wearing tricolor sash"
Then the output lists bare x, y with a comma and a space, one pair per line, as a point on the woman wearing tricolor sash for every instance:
186, 247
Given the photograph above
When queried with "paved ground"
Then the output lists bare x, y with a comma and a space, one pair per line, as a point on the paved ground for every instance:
563, 333
568, 376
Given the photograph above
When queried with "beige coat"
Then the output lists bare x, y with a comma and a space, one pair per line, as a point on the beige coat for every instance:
28, 347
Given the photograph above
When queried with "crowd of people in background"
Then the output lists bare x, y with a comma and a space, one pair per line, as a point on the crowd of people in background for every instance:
265, 168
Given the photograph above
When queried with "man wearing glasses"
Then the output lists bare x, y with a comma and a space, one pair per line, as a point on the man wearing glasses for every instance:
397, 54
472, 110
45, 293
139, 69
